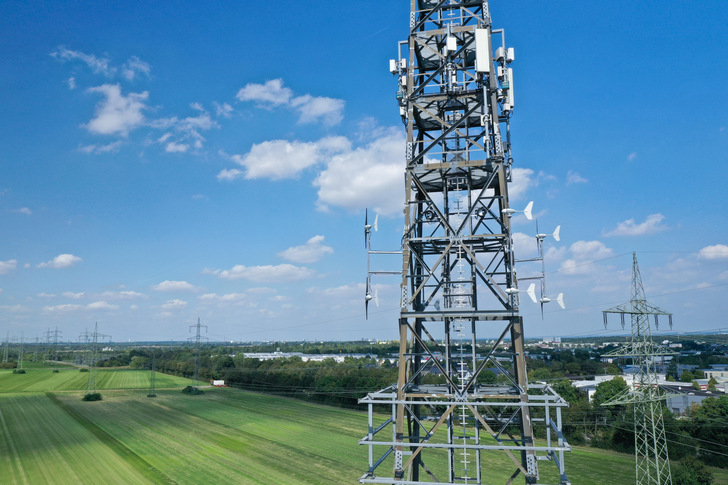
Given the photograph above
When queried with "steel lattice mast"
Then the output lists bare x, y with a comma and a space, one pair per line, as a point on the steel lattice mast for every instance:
652, 466
458, 275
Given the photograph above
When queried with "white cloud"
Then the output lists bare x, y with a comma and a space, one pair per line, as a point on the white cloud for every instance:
96, 149
64, 308
311, 109
368, 176
122, 295
96, 64
71, 82
521, 180
101, 305
632, 157
173, 147
715, 252
311, 252
651, 225
227, 298
267, 273
133, 67
272, 92
524, 245
61, 261
186, 132
574, 178
583, 254
23, 210
174, 305
230, 174
168, 285
117, 114
74, 296
223, 110
8, 266
281, 159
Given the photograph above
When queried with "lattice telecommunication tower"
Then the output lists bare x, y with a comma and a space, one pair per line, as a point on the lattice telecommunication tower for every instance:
652, 466
458, 273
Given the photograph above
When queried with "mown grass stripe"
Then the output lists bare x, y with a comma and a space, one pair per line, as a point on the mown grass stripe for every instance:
118, 447
11, 445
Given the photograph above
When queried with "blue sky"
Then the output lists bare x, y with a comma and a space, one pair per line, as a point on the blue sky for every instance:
162, 163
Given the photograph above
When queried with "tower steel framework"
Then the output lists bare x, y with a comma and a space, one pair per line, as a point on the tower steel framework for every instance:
652, 466
458, 271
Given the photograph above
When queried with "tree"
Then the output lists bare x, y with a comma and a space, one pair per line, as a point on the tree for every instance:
690, 471
712, 383
608, 389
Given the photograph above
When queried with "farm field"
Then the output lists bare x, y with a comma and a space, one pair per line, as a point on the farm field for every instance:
70, 379
221, 436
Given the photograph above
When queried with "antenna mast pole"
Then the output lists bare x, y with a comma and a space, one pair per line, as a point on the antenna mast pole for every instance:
458, 278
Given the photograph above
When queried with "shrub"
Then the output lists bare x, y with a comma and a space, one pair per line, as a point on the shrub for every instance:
92, 396
83, 369
193, 391
18, 371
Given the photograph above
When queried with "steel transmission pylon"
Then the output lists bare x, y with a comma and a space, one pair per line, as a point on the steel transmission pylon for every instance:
93, 358
197, 339
458, 275
652, 466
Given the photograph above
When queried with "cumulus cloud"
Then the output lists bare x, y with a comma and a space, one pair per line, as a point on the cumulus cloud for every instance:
574, 178
122, 295
281, 159
632, 157
267, 273
174, 305
271, 92
61, 261
8, 266
168, 285
71, 82
715, 252
101, 305
74, 296
522, 179
23, 210
227, 298
311, 109
651, 225
311, 252
117, 114
367, 176
583, 254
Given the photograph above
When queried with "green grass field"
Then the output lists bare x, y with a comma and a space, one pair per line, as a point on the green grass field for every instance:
222, 436
70, 379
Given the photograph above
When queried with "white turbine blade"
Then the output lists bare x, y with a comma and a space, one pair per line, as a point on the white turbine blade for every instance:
532, 292
376, 220
527, 211
557, 233
560, 301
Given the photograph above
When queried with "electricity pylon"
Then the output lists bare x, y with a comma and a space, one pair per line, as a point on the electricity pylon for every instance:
652, 466
7, 344
458, 277
91, 386
197, 339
